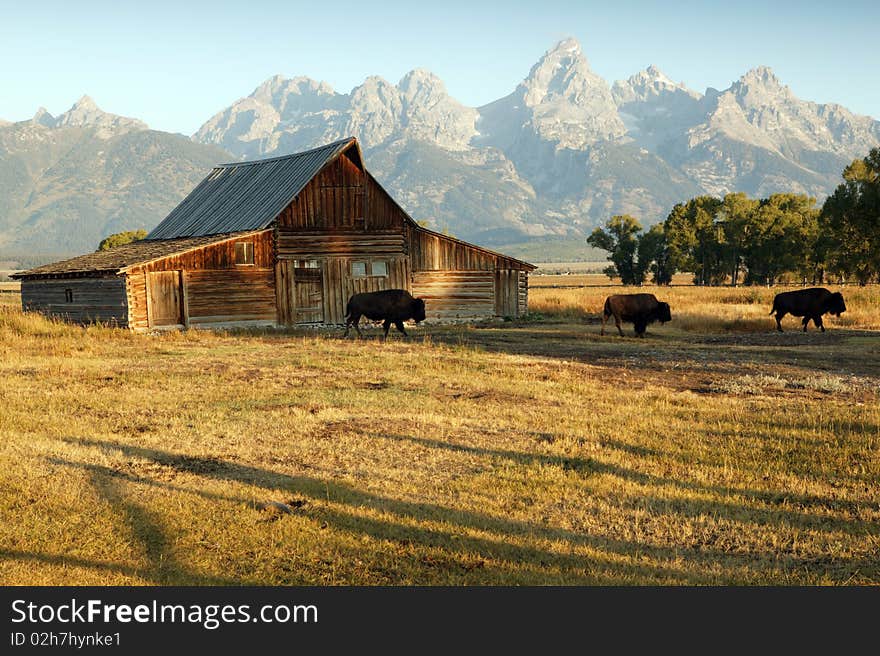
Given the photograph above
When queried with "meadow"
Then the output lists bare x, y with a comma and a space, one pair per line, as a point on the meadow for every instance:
528, 452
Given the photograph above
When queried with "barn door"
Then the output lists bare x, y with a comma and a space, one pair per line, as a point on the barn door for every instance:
308, 289
165, 298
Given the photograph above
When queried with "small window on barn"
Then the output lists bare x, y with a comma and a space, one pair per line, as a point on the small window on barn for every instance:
244, 252
306, 264
358, 269
380, 268
68, 295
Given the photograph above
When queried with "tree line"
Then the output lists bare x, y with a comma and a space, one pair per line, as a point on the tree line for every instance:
741, 240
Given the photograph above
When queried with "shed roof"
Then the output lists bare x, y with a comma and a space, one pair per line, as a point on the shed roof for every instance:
118, 259
247, 195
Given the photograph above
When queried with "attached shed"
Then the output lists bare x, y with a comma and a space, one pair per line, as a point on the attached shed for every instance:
280, 241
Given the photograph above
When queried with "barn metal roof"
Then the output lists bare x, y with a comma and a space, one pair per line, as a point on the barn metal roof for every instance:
246, 195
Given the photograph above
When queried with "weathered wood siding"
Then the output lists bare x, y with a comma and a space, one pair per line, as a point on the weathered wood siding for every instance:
215, 289
431, 251
455, 295
523, 305
136, 290
216, 256
337, 284
293, 245
230, 296
92, 299
507, 293
342, 198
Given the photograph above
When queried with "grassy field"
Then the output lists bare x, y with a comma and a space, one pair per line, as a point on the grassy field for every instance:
715, 451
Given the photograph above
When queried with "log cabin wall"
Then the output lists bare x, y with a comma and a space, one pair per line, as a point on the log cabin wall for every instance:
215, 290
460, 281
455, 295
78, 299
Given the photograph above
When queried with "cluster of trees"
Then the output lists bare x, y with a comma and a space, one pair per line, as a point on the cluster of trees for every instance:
121, 238
737, 239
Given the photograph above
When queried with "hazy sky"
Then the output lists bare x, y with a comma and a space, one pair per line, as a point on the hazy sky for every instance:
174, 64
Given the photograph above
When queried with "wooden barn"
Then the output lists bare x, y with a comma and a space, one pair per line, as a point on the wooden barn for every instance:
280, 241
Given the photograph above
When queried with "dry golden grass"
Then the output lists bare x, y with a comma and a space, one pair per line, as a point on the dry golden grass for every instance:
696, 309
514, 453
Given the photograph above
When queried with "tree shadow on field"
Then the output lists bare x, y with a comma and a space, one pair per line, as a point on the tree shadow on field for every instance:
337, 503
689, 508
143, 528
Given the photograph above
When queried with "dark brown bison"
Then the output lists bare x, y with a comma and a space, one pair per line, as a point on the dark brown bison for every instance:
391, 306
808, 303
638, 309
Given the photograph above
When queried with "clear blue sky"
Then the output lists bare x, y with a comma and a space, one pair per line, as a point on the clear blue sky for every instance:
174, 64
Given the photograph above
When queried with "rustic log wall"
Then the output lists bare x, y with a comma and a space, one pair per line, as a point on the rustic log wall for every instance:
523, 305
78, 300
215, 289
229, 296
507, 293
292, 245
136, 290
455, 295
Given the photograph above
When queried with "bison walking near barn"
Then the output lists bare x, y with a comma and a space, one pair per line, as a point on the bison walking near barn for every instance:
808, 303
638, 309
390, 306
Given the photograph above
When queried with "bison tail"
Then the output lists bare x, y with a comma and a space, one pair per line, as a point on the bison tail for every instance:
607, 309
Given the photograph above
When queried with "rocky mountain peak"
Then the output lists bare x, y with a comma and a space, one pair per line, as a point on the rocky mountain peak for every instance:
86, 113
762, 75
562, 72
44, 118
647, 85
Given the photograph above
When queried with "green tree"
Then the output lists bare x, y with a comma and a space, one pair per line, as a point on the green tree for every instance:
619, 238
782, 238
850, 221
654, 255
696, 241
121, 238
735, 215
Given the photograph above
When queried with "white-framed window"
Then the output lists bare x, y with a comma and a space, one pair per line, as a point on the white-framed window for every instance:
379, 268
358, 269
305, 264
244, 252
68, 295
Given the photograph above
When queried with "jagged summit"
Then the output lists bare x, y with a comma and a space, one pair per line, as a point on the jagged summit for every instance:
762, 75
44, 118
86, 113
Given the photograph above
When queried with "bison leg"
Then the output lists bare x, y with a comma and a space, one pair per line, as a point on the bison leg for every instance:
386, 325
806, 321
640, 329
399, 326
779, 316
353, 320
605, 318
617, 323
817, 320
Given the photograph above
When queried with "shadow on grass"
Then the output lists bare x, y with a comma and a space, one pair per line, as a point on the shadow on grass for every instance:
333, 499
689, 508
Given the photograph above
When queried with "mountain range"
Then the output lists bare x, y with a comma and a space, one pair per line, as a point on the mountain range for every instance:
557, 156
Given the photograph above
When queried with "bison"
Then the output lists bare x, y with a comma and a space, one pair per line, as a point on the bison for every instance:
639, 309
807, 303
389, 306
